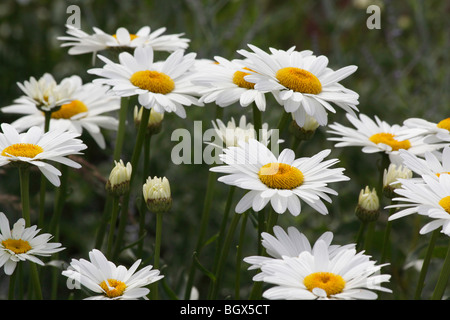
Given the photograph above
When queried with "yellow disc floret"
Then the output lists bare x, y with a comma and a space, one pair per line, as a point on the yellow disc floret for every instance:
388, 139
153, 81
114, 288
445, 203
238, 79
280, 176
17, 246
329, 282
299, 80
27, 150
444, 124
68, 110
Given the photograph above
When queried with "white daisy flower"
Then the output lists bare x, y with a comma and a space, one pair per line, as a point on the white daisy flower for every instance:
109, 281
226, 85
85, 112
378, 136
301, 82
439, 131
289, 244
347, 275
164, 86
21, 244
82, 42
430, 198
46, 94
230, 134
36, 148
282, 180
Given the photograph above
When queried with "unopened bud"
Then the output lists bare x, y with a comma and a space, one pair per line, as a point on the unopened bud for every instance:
154, 121
391, 176
306, 131
119, 179
157, 195
368, 208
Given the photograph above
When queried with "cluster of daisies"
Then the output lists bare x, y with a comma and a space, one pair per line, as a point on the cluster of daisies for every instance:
55, 115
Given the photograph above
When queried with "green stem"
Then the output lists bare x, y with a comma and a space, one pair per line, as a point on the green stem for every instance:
263, 226
386, 238
12, 283
223, 225
360, 235
425, 264
271, 220
134, 164
222, 229
224, 255
112, 225
369, 236
42, 193
159, 222
24, 176
59, 201
104, 221
239, 256
143, 205
35, 279
203, 225
54, 223
121, 128
443, 278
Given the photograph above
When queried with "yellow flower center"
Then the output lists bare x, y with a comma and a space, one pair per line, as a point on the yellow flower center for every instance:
445, 203
132, 36
280, 176
115, 288
330, 282
238, 79
444, 124
22, 150
388, 139
68, 110
16, 245
153, 81
299, 80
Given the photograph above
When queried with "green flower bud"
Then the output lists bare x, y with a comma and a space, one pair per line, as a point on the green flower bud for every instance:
368, 208
154, 122
119, 179
390, 179
157, 195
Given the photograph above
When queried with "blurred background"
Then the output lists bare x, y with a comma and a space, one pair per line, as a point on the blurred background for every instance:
403, 71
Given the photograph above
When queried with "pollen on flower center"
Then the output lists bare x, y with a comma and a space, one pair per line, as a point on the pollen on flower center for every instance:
114, 288
330, 282
16, 245
132, 36
299, 80
238, 79
388, 139
444, 124
445, 203
280, 176
153, 81
68, 110
22, 150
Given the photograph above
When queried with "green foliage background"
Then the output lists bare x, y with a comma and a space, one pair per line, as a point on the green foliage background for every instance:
403, 71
